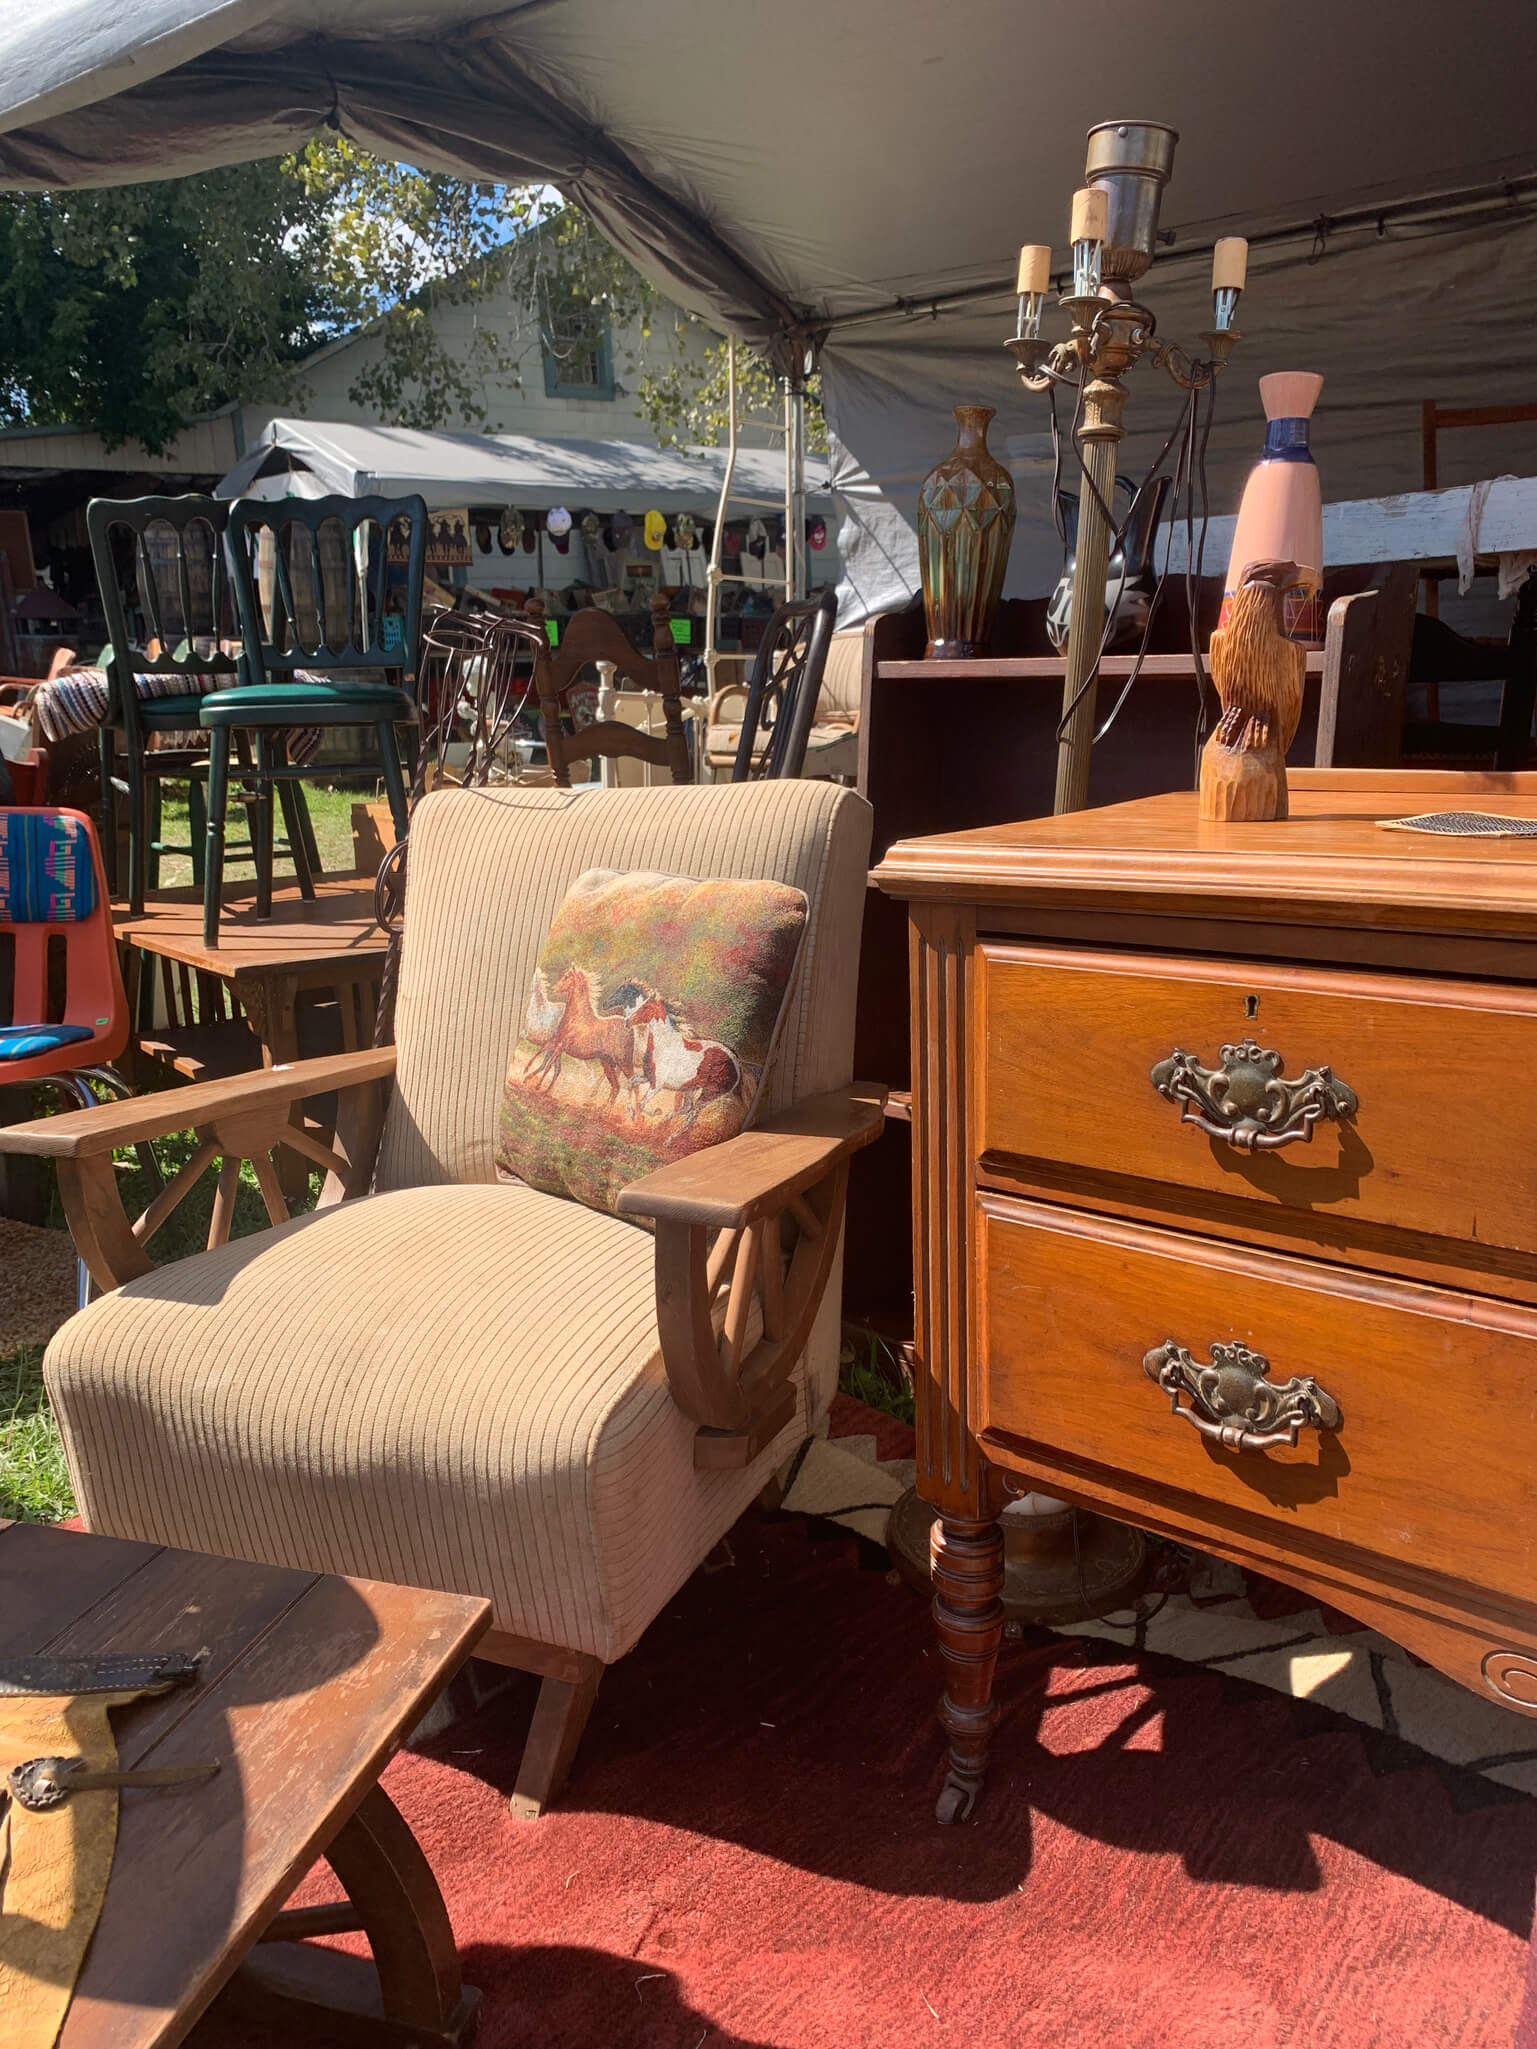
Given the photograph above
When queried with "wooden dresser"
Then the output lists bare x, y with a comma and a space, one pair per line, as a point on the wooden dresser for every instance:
1225, 1193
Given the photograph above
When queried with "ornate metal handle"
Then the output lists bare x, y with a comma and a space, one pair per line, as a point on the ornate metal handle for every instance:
1233, 1400
1248, 1101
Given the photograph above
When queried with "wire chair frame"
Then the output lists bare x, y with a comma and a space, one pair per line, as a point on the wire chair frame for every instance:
477, 680
783, 691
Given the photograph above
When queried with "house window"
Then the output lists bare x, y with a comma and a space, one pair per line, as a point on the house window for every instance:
578, 354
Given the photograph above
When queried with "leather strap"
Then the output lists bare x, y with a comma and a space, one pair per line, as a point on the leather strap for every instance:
55, 1860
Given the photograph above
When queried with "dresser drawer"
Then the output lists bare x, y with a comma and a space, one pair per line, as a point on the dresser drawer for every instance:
1434, 1132
1419, 1442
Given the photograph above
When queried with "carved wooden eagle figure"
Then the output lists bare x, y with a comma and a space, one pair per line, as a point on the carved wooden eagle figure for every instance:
1258, 674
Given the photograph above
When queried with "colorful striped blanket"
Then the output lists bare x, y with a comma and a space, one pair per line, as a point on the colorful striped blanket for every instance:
77, 702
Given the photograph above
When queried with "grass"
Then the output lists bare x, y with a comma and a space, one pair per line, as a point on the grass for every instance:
330, 807
871, 1371
34, 1487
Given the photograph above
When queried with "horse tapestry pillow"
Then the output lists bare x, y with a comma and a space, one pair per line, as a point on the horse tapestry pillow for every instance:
654, 1010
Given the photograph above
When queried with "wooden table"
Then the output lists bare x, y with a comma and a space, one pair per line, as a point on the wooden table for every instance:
309, 1684
263, 966
1335, 1292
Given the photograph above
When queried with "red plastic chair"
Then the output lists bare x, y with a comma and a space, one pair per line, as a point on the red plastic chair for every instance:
53, 888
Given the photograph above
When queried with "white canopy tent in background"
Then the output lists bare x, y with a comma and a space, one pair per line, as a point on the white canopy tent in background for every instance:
852, 185
504, 469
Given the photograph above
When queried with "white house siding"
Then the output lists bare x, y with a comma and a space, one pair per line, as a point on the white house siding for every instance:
510, 407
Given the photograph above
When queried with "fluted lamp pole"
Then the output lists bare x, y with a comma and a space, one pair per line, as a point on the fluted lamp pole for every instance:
1114, 231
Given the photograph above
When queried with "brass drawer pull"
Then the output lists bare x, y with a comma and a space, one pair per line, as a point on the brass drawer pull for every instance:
1248, 1101
1233, 1400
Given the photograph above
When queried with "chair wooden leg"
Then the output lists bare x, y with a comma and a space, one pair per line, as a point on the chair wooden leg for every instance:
261, 828
155, 806
296, 823
394, 778
197, 828
106, 739
560, 1716
138, 833
218, 802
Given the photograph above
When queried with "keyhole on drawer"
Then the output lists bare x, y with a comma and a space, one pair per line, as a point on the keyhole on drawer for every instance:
1251, 1006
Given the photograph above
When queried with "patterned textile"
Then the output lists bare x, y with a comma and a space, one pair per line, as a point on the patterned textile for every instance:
668, 991
25, 1042
46, 874
78, 701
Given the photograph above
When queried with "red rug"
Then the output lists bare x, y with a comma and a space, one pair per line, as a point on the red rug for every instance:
746, 1856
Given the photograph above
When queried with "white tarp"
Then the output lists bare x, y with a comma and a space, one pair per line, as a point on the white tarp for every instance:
783, 172
513, 469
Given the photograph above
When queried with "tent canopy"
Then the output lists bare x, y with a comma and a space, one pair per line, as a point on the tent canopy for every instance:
507, 469
839, 175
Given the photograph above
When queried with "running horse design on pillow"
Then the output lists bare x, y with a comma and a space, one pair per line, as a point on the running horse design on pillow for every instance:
648, 1030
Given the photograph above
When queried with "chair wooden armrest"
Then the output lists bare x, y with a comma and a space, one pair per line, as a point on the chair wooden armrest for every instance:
774, 1198
240, 1118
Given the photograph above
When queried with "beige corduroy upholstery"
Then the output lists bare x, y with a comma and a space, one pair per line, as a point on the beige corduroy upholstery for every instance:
454, 1382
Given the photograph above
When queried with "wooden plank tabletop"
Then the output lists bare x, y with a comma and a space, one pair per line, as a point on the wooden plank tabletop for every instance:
338, 927
1051, 669
308, 1686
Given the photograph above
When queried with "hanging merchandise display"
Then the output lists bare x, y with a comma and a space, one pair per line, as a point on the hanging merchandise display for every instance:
510, 530
816, 534
1280, 517
617, 534
655, 531
558, 525
965, 527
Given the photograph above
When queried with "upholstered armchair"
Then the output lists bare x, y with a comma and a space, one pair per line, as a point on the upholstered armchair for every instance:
447, 1380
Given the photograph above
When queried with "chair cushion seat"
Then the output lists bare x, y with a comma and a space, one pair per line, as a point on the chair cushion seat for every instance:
26, 1042
455, 1387
170, 714
306, 704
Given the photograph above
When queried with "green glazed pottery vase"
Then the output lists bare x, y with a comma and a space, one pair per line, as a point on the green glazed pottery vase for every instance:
965, 527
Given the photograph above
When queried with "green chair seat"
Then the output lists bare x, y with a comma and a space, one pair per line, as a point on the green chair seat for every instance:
306, 704
172, 714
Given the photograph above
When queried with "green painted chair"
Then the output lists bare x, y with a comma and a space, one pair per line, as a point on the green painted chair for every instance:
329, 596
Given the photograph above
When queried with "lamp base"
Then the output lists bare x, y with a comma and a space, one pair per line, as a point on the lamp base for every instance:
1047, 1579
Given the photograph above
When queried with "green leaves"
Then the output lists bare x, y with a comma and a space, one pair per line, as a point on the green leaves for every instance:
139, 309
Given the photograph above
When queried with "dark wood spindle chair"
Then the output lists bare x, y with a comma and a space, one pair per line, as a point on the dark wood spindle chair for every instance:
597, 637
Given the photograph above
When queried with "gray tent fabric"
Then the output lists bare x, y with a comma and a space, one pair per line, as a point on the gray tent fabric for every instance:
1443, 312
512, 469
784, 173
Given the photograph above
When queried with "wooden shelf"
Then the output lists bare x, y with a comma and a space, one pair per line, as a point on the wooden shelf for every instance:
899, 1106
1050, 669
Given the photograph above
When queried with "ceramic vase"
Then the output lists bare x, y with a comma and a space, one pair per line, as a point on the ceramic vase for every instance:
965, 527
1280, 518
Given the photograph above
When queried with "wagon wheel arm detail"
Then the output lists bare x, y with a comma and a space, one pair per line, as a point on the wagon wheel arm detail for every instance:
242, 1118
772, 1201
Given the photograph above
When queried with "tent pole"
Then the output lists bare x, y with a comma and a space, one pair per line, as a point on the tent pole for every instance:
713, 578
795, 488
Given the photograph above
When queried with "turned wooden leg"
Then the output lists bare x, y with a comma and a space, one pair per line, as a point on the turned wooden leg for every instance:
560, 1716
967, 1561
411, 1994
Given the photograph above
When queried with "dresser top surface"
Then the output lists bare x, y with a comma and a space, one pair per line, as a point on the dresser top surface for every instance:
1331, 858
